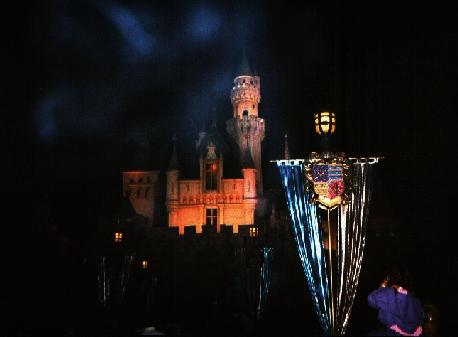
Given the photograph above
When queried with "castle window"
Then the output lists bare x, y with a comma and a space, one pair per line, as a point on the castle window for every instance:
211, 216
118, 237
210, 176
253, 232
251, 82
144, 264
245, 112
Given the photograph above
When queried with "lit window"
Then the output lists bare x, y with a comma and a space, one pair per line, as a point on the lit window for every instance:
211, 216
144, 264
210, 176
253, 232
118, 237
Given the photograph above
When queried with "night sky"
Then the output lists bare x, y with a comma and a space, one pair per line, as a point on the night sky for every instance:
105, 84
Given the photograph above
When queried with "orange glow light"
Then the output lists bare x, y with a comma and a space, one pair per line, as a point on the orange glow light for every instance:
144, 264
118, 237
253, 232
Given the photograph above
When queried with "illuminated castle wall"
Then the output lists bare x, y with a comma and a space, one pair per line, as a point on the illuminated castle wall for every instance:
213, 199
140, 187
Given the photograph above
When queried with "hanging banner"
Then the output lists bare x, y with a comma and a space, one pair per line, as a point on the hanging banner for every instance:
331, 177
308, 237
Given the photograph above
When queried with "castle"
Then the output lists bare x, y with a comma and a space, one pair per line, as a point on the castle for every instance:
214, 198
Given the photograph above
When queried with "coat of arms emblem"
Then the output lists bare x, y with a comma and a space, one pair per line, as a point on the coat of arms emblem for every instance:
327, 178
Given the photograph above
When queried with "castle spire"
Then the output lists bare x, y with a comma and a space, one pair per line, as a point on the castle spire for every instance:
213, 125
244, 69
173, 165
286, 153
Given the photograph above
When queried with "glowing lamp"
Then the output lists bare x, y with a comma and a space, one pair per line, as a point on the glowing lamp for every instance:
144, 264
214, 167
325, 123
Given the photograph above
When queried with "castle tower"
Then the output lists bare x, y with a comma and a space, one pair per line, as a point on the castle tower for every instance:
249, 188
246, 127
172, 185
140, 188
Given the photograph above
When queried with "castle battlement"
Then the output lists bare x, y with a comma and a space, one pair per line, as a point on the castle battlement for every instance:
246, 95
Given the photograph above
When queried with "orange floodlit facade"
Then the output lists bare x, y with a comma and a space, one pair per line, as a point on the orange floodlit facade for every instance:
214, 200
233, 203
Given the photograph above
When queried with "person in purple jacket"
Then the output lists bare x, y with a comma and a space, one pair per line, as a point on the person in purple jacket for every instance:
398, 310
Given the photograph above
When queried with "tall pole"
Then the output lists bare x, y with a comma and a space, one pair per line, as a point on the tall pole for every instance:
331, 293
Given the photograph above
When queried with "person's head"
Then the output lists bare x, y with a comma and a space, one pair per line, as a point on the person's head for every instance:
397, 276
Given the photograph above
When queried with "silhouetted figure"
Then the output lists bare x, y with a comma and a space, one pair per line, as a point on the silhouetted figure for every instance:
398, 310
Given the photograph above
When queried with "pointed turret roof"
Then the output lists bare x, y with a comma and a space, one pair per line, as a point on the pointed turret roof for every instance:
244, 66
213, 125
173, 165
214, 137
